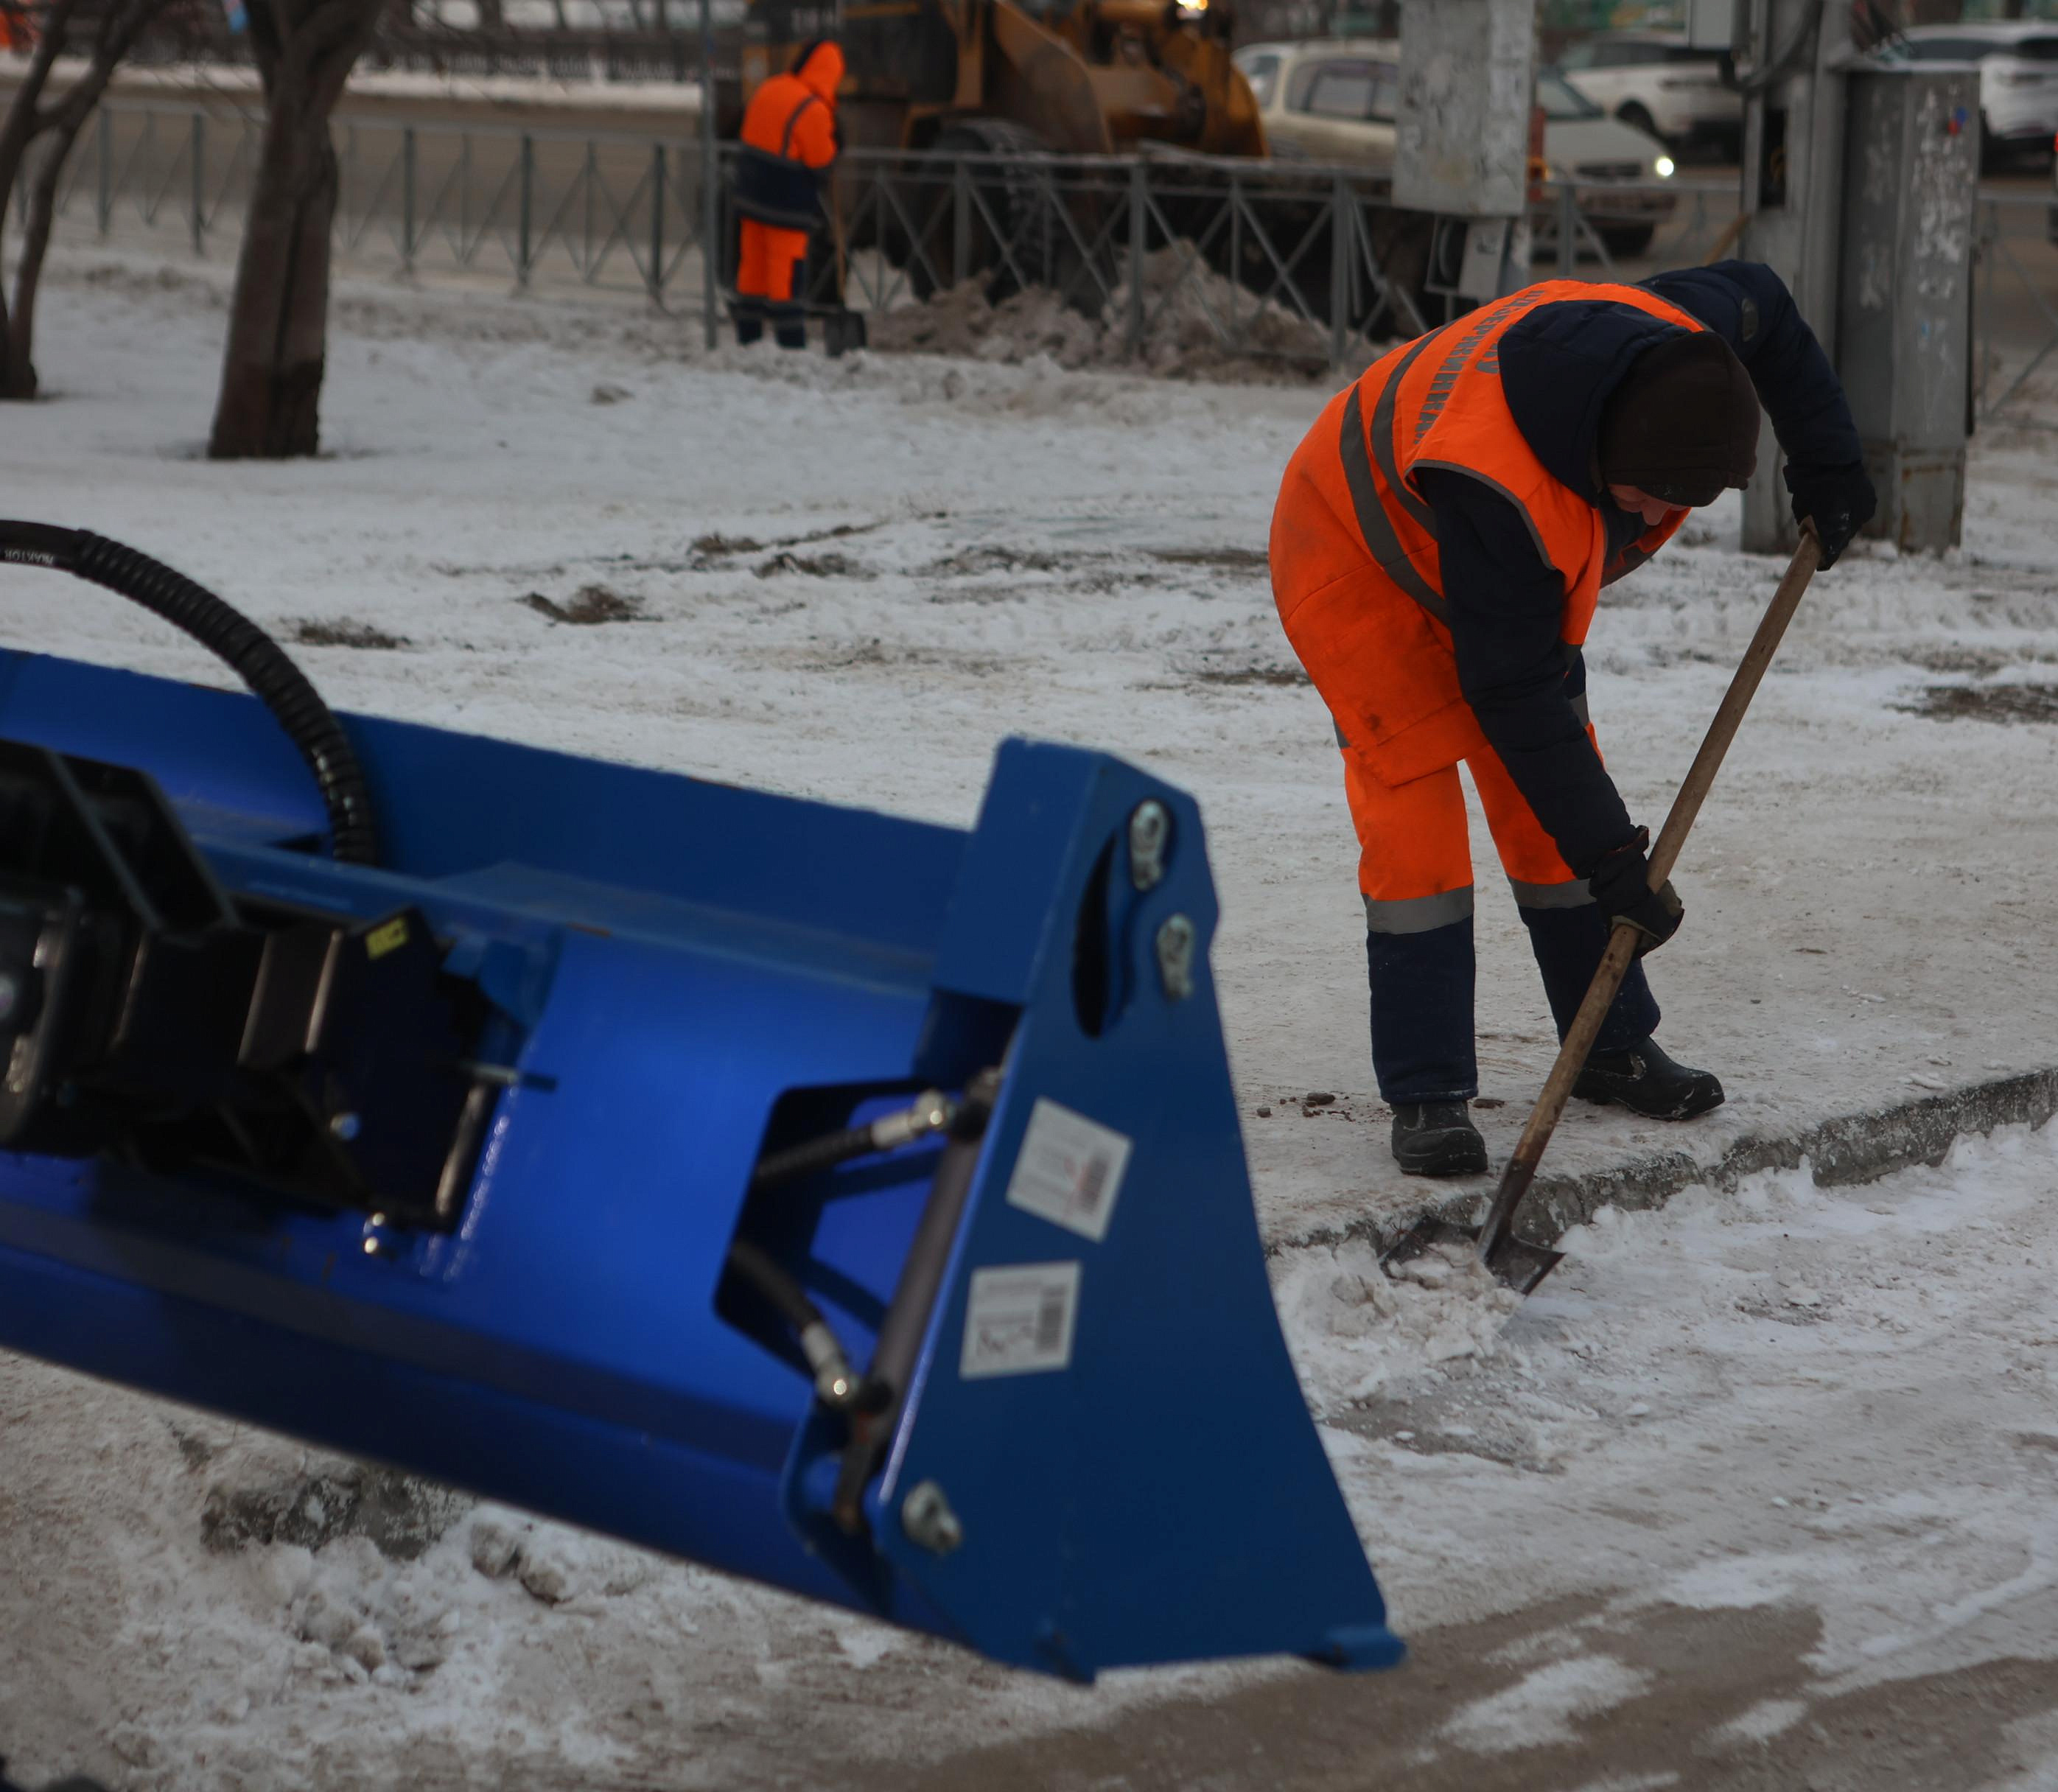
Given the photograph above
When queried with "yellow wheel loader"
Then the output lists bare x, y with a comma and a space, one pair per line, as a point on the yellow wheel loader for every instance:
1096, 77
945, 83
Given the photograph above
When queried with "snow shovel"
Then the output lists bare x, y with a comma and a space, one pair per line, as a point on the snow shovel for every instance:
1514, 1261
843, 329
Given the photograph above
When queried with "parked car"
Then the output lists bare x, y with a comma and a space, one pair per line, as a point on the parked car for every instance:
2018, 65
1336, 102
1658, 82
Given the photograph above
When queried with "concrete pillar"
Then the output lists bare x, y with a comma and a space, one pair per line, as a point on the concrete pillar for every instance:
1793, 193
1462, 142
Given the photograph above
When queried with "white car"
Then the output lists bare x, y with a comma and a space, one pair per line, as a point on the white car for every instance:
1337, 101
1658, 82
2018, 65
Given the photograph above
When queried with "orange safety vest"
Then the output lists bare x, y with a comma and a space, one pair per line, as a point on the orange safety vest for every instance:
1355, 565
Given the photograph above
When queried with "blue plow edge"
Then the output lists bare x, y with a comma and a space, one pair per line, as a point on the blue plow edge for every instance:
668, 957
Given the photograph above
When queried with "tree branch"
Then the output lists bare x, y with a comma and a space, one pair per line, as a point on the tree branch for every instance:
119, 26
26, 114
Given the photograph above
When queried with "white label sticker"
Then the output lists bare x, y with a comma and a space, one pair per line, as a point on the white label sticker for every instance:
1018, 1320
1068, 1170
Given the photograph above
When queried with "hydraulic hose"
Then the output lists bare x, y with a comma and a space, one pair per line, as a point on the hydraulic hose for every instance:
835, 1385
933, 1111
257, 659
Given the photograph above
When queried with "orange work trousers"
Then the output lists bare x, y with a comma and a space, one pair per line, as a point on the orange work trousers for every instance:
1414, 870
769, 262
1415, 856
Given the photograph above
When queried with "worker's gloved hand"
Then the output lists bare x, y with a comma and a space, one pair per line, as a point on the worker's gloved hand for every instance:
1838, 500
1621, 884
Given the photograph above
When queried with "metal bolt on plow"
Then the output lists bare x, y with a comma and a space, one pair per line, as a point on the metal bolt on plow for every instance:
1149, 829
926, 1517
1175, 957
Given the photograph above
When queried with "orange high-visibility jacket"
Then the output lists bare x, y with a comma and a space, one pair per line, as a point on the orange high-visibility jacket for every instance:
790, 133
1355, 569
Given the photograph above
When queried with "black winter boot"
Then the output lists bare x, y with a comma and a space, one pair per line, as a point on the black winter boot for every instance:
1646, 1081
1437, 1138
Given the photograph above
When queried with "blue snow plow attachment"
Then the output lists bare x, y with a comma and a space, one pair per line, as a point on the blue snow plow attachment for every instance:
847, 1203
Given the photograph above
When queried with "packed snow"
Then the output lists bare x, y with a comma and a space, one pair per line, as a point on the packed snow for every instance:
1824, 1415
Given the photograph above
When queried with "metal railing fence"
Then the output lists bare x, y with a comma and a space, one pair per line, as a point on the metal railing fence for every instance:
2015, 329
1294, 261
1278, 260
622, 210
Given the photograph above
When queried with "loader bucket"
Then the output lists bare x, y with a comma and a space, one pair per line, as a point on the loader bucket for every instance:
600, 1021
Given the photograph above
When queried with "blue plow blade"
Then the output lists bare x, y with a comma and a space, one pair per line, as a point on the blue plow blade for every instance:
1099, 1456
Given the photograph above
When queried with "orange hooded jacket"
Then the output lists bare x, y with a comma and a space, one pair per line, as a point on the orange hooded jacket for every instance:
788, 135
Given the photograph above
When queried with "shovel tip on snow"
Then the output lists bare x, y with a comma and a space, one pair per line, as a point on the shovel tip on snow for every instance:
1514, 1263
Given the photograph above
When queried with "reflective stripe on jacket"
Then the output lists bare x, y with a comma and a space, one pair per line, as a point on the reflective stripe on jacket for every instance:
788, 135
1355, 568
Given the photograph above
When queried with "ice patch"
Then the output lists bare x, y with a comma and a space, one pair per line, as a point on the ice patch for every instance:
866, 1645
1744, 1583
1631, 1782
1535, 1709
1764, 1720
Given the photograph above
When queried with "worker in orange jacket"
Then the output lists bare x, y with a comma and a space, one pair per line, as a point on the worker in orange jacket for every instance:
1438, 552
790, 138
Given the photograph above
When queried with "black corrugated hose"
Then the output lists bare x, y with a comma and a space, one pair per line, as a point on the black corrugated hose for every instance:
260, 661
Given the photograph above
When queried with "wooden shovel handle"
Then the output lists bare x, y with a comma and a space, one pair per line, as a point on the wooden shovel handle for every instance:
1614, 964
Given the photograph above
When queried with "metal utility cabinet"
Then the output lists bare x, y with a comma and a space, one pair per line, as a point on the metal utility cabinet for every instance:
1461, 145
1905, 291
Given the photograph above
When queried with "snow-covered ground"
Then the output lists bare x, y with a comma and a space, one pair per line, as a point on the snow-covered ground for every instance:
940, 552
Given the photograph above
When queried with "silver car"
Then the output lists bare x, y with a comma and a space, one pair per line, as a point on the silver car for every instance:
1658, 82
2018, 65
1337, 101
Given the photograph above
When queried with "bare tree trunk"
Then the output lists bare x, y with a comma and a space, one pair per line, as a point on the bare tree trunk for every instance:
18, 364
17, 131
56, 128
269, 405
271, 369
117, 35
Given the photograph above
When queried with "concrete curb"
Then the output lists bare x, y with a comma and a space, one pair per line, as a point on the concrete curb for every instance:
1849, 1149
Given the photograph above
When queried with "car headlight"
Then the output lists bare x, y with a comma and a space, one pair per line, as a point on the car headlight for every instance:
1663, 168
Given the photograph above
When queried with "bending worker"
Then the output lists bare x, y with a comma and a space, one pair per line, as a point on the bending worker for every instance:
790, 138
1440, 541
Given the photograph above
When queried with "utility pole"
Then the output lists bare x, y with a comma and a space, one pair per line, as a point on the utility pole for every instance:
1789, 57
710, 188
1859, 185
1461, 143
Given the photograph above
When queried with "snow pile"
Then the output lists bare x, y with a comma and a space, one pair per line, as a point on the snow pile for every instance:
959, 321
1188, 308
1355, 1328
1533, 1713
1866, 1376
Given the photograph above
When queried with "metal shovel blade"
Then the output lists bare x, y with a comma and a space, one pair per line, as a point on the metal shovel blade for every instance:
842, 331
1516, 1264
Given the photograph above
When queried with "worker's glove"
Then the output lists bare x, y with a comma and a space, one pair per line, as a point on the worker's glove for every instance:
1621, 884
1838, 500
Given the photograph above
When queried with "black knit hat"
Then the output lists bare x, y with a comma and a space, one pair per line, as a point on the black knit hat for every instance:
1683, 422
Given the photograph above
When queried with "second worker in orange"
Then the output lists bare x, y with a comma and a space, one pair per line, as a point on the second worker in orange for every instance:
789, 139
1441, 543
